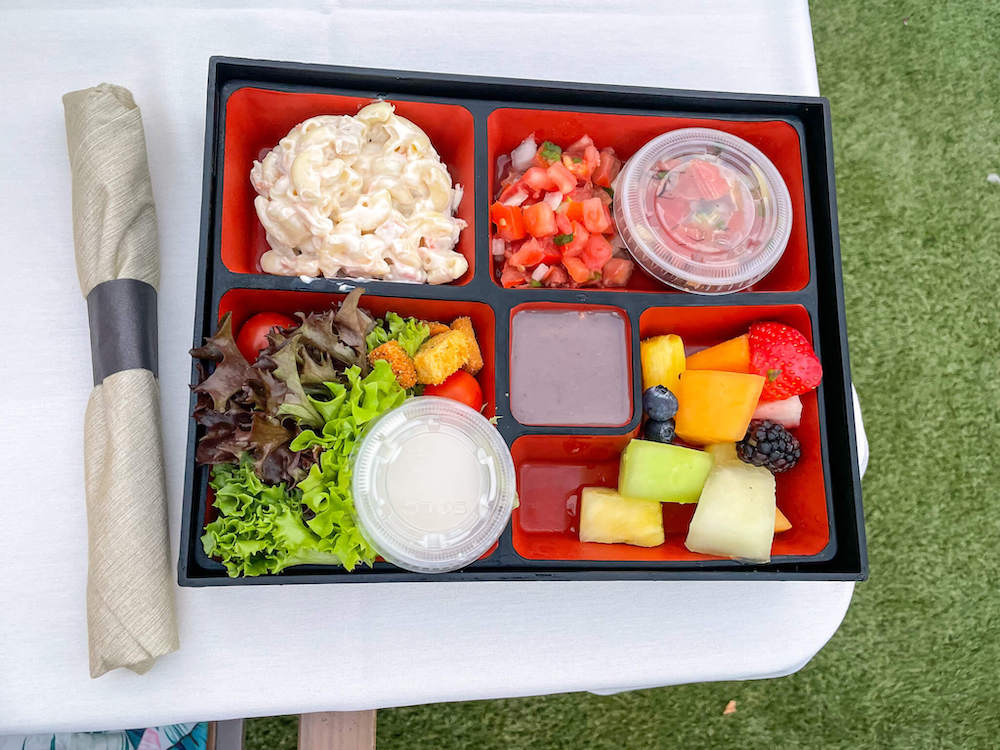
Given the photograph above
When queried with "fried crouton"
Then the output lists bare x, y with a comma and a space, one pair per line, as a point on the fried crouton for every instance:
400, 362
440, 356
474, 358
435, 328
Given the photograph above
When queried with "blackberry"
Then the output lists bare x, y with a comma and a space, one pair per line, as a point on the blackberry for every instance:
769, 445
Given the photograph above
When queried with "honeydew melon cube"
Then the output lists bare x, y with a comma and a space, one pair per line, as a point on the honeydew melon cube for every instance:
662, 472
735, 513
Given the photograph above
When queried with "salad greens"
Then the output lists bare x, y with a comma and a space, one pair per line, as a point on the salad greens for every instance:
260, 527
265, 528
259, 408
409, 332
280, 433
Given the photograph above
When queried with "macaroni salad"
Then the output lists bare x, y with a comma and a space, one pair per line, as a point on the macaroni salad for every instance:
363, 197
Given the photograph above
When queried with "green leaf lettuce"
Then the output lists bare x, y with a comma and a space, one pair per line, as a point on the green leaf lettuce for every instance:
265, 528
409, 332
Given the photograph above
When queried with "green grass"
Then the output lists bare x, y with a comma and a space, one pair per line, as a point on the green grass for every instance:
916, 661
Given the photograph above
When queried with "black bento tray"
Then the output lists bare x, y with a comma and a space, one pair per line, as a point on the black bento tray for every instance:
844, 558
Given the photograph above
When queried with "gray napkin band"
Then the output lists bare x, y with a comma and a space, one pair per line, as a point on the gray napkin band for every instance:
122, 316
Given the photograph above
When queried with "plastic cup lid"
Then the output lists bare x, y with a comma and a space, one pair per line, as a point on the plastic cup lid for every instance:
433, 485
703, 210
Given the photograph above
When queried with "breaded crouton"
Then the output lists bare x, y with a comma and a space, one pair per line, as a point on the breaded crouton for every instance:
435, 327
440, 356
474, 358
399, 361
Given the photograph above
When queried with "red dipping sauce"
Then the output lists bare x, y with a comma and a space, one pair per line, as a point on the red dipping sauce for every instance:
570, 367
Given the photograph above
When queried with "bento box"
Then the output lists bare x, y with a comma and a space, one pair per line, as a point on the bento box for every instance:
471, 121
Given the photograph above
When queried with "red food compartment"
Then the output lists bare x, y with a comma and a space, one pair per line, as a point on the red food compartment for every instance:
777, 139
243, 303
553, 469
256, 119
565, 378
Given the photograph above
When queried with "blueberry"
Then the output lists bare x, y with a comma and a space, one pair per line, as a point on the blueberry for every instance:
659, 403
659, 432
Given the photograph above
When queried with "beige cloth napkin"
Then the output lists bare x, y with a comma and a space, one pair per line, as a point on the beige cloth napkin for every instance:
130, 589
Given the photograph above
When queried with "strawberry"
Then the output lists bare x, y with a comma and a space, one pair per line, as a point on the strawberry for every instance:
785, 359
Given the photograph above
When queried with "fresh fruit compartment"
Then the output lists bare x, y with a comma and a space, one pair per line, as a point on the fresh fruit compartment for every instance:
570, 365
243, 303
777, 139
801, 491
257, 118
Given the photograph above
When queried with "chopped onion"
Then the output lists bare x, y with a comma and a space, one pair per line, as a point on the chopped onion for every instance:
456, 197
516, 199
539, 273
499, 247
553, 200
503, 167
522, 156
618, 247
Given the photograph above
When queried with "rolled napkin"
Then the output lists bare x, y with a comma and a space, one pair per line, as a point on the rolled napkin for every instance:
130, 589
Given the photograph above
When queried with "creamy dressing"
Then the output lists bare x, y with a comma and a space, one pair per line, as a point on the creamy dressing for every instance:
434, 482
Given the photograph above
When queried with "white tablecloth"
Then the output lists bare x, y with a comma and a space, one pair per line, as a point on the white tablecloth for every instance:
269, 650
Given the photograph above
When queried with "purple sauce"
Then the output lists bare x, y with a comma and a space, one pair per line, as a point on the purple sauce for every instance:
569, 367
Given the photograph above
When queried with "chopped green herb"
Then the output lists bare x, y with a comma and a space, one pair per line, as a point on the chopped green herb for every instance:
609, 191
536, 283
550, 151
661, 174
576, 159
563, 239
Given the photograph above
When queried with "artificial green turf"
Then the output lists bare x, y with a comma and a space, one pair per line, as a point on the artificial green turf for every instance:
914, 88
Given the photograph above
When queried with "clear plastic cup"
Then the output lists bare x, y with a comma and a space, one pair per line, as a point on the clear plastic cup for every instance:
703, 211
433, 485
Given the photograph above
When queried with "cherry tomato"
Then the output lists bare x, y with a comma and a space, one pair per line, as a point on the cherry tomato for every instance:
252, 338
461, 387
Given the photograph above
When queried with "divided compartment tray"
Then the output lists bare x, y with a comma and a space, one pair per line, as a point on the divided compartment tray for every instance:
471, 120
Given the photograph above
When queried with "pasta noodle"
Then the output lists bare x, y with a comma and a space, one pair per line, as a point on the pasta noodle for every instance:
364, 196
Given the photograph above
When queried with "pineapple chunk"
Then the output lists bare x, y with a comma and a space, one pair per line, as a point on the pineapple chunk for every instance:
735, 513
662, 361
606, 516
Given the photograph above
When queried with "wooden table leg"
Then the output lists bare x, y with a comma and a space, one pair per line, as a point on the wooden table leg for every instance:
337, 730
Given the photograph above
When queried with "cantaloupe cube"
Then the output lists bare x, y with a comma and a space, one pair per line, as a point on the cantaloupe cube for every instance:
662, 472
730, 356
781, 522
607, 517
662, 361
716, 406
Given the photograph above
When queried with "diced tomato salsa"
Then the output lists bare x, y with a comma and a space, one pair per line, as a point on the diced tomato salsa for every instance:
553, 218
